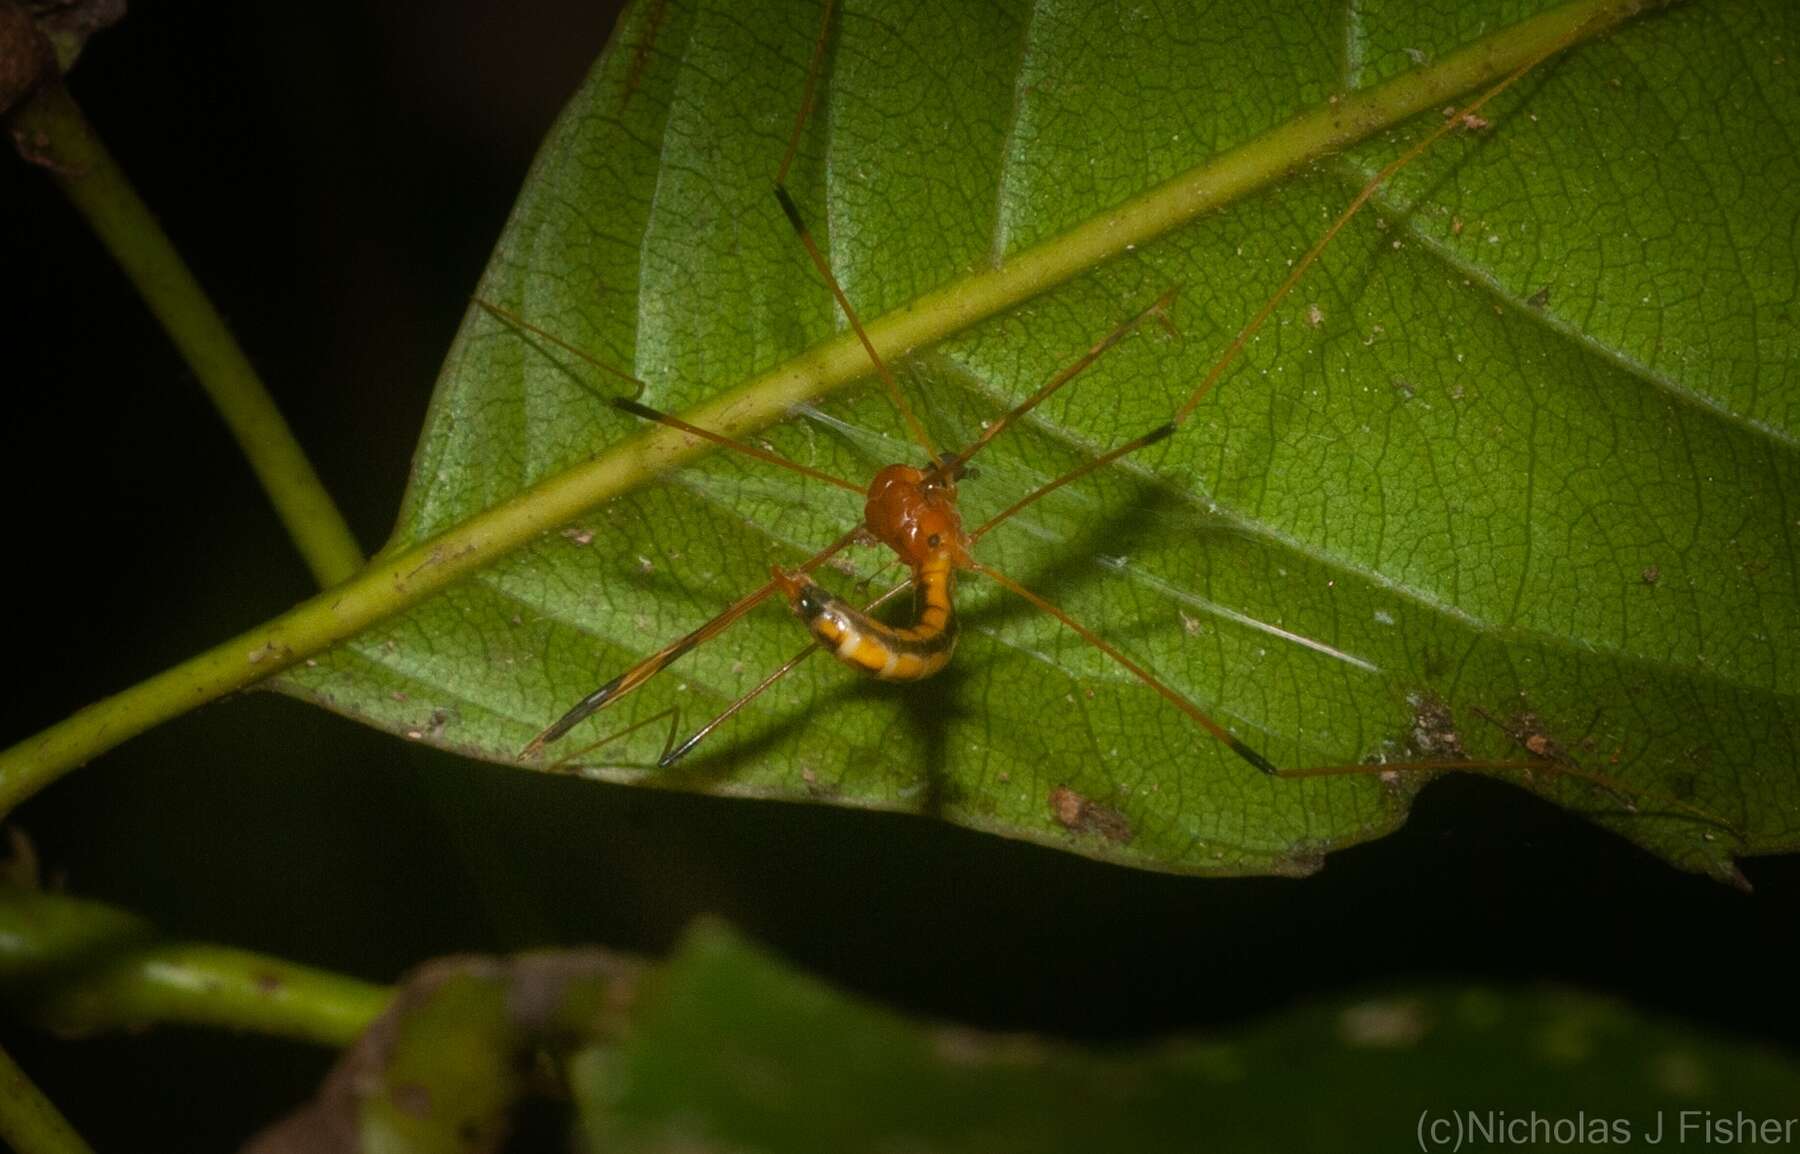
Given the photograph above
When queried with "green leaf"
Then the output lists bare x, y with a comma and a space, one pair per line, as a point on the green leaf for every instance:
1516, 467
725, 1048
729, 1050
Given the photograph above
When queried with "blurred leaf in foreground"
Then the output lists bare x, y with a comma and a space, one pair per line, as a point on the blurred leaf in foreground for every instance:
724, 1048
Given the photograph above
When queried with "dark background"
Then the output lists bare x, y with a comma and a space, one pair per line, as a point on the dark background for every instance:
336, 187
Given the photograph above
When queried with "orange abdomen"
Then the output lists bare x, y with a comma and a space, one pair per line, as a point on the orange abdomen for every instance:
910, 653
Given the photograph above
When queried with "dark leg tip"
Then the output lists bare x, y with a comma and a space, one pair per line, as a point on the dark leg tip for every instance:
668, 760
1253, 757
631, 405
791, 209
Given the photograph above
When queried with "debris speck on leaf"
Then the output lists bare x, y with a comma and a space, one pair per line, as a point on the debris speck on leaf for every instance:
1529, 731
1080, 814
1434, 735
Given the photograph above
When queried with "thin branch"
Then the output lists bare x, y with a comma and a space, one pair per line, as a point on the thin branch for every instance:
29, 1122
52, 131
78, 967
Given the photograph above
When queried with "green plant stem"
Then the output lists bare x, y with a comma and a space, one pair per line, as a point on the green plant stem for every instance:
215, 986
78, 967
52, 130
29, 1122
398, 579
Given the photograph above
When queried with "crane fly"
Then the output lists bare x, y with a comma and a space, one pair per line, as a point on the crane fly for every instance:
911, 509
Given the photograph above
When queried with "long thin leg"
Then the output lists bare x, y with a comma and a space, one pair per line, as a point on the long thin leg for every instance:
1104, 459
914, 427
1559, 766
1199, 716
757, 451
673, 713
514, 320
675, 753
1158, 310
804, 112
666, 656
645, 412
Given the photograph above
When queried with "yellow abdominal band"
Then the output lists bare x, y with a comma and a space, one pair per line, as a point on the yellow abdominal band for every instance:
908, 654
